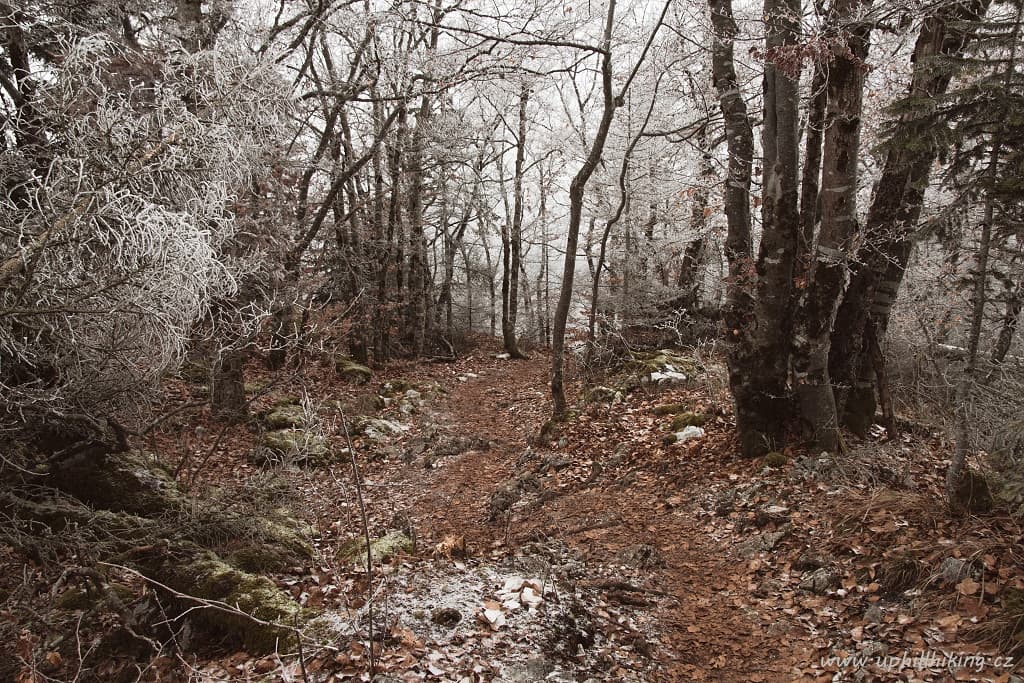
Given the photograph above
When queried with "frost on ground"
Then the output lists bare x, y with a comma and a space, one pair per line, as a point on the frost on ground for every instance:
538, 616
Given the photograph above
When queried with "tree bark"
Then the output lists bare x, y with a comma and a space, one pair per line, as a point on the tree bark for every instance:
758, 306
810, 208
738, 246
767, 378
512, 243
577, 188
892, 219
829, 268
227, 395
689, 281
1011, 319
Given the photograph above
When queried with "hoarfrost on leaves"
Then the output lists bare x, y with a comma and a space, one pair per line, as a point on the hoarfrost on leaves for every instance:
129, 230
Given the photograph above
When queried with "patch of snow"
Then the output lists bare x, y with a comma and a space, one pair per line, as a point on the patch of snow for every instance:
668, 376
689, 434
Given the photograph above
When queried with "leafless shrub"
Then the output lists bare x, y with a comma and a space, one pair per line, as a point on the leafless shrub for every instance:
122, 243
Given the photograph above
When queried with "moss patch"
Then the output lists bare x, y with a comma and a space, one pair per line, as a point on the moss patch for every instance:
123, 482
76, 598
213, 579
387, 546
684, 420
261, 558
302, 447
775, 460
289, 416
351, 370
661, 361
603, 395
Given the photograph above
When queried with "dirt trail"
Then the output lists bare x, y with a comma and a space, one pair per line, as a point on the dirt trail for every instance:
638, 495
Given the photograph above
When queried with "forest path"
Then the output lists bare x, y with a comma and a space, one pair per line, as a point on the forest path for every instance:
611, 492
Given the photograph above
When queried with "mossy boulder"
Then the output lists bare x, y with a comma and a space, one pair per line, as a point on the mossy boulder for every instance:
670, 409
79, 598
261, 558
662, 366
296, 445
210, 578
76, 598
775, 460
287, 533
603, 394
288, 416
352, 370
377, 429
391, 544
130, 482
688, 419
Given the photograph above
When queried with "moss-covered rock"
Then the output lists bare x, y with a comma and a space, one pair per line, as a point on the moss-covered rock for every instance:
670, 409
208, 577
386, 546
602, 394
352, 370
288, 534
394, 387
377, 429
261, 558
76, 598
174, 561
662, 366
289, 416
297, 446
688, 419
121, 482
775, 460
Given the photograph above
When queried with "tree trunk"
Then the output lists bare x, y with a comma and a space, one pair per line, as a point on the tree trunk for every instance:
621, 207
512, 240
1011, 318
957, 482
738, 246
758, 307
810, 207
966, 385
285, 332
577, 189
892, 218
829, 269
227, 395
690, 276
416, 315
767, 379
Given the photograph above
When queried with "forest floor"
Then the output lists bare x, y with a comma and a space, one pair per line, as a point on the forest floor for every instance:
605, 553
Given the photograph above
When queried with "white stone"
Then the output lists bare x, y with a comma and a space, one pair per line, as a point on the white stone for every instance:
689, 434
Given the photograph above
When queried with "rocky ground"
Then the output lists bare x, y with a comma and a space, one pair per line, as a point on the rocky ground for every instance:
632, 544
